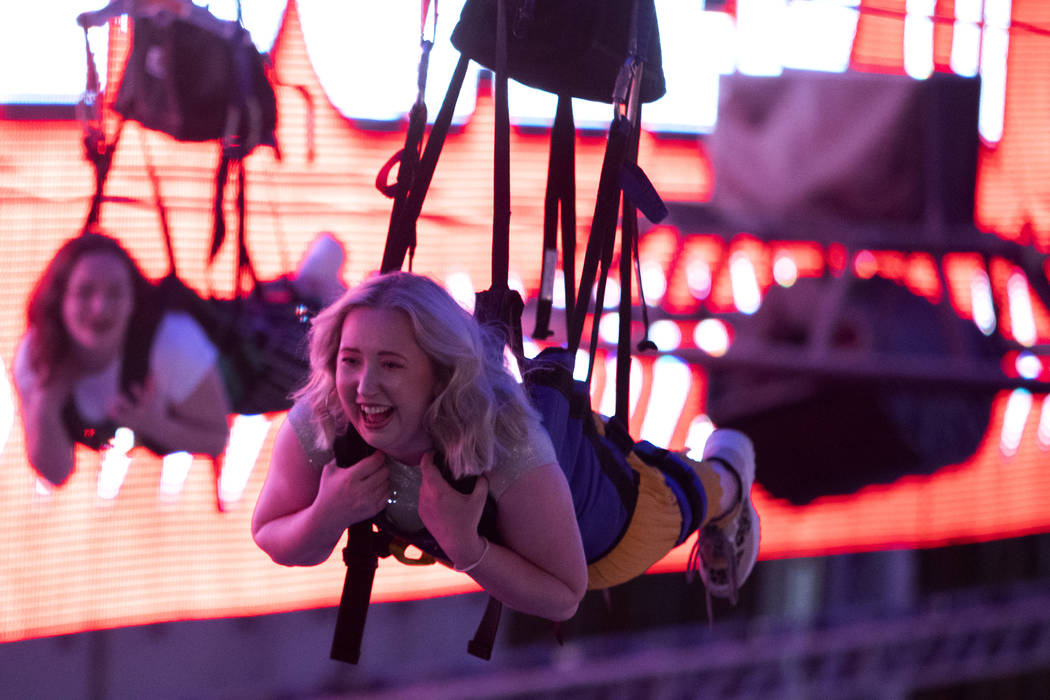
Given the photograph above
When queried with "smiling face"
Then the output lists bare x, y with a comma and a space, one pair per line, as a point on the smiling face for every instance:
385, 382
97, 306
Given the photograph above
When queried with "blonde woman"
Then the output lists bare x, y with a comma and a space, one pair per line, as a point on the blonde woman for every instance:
399, 362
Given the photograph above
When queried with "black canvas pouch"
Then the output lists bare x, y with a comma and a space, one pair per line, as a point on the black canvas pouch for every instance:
567, 47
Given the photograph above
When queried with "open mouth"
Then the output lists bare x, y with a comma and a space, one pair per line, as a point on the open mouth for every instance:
375, 417
100, 328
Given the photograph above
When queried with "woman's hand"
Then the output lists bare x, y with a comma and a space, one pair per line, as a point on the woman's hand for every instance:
450, 516
48, 444
355, 493
141, 409
303, 510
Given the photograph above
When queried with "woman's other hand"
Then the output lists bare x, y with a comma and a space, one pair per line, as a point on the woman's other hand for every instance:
140, 409
450, 516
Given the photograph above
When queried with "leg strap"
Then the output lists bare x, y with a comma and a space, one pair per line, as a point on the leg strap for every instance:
485, 636
361, 562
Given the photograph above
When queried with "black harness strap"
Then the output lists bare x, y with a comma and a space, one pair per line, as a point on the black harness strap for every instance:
602, 236
485, 636
361, 561
619, 175
499, 304
501, 158
402, 231
401, 237
560, 198
501, 299
98, 150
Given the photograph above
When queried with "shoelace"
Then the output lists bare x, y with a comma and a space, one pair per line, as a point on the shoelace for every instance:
712, 545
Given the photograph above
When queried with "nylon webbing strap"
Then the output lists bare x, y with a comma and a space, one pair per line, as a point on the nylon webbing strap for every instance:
628, 237
603, 232
485, 636
401, 235
158, 201
618, 167
560, 198
501, 159
98, 150
361, 562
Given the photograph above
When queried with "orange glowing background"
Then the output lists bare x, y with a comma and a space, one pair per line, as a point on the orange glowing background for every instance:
71, 561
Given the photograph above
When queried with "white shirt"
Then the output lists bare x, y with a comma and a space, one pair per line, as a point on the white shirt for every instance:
180, 357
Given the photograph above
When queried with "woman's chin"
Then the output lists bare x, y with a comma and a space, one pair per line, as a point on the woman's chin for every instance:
98, 353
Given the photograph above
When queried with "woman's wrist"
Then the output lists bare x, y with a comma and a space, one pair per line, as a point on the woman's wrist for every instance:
476, 560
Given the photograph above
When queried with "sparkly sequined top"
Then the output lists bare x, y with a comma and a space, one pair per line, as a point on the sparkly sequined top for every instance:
405, 480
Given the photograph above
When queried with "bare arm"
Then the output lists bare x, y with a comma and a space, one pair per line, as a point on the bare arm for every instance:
302, 511
48, 445
540, 568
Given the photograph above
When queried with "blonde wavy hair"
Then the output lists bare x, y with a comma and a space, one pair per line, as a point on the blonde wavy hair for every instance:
481, 408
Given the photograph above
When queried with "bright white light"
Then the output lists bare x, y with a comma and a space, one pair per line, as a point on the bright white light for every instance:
262, 18
580, 365
666, 334
461, 287
672, 380
712, 336
1022, 322
654, 282
981, 302
247, 435
42, 51
529, 348
918, 39
366, 56
760, 38
695, 48
607, 405
746, 295
511, 362
515, 284
558, 296
175, 468
785, 271
995, 46
699, 431
115, 463
609, 328
966, 38
819, 35
698, 278
612, 294
1018, 406
1043, 432
1028, 365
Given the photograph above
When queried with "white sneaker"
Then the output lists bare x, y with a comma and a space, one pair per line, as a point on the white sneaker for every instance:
727, 547
320, 273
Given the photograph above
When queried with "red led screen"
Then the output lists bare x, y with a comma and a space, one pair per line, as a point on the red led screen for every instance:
114, 548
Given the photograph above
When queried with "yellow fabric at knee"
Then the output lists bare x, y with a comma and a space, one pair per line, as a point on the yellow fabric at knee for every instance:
652, 532
713, 491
